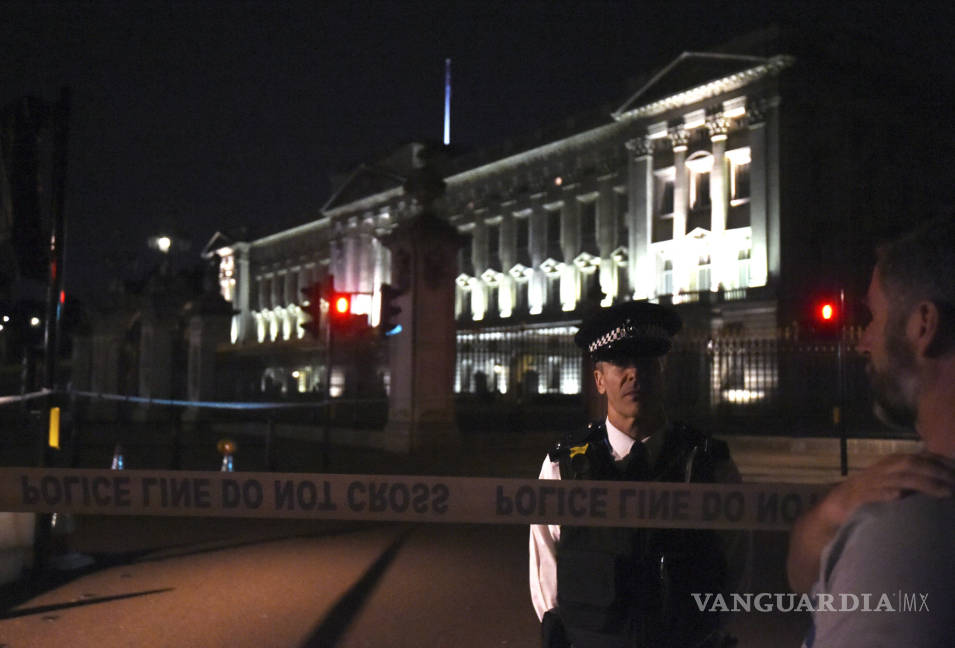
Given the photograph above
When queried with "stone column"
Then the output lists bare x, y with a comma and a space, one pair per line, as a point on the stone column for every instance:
243, 293
538, 246
507, 289
569, 245
606, 231
680, 137
641, 266
208, 327
366, 258
352, 258
479, 291
773, 225
758, 215
722, 260
422, 355
155, 358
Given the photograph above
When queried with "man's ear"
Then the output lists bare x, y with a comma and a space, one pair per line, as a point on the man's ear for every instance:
599, 379
923, 327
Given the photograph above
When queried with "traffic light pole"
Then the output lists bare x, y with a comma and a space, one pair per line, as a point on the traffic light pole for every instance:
329, 339
841, 377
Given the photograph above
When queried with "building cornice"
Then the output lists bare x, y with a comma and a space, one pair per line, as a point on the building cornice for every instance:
369, 202
772, 67
549, 150
319, 224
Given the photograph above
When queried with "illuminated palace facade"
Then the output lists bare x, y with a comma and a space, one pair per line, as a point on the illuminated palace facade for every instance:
673, 197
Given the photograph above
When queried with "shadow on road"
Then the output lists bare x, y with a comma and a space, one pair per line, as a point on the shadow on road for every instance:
43, 609
333, 627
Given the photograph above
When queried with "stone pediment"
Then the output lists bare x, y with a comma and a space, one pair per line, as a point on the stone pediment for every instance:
365, 181
698, 70
218, 241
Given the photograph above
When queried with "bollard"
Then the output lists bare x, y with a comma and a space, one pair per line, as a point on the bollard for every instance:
227, 448
118, 461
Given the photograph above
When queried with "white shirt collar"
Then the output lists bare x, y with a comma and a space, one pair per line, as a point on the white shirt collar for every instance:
620, 443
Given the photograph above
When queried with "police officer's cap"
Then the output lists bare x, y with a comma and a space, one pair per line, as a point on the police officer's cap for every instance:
631, 329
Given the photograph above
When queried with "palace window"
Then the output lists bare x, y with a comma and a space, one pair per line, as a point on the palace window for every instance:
666, 278
465, 262
553, 235
739, 187
739, 161
588, 227
699, 166
703, 273
553, 291
591, 284
462, 301
663, 183
522, 302
523, 239
743, 268
553, 376
623, 283
623, 210
227, 276
494, 246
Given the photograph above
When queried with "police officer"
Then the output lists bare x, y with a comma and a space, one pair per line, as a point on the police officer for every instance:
596, 587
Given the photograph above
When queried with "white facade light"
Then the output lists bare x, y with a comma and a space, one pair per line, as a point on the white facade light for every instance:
164, 243
739, 156
361, 304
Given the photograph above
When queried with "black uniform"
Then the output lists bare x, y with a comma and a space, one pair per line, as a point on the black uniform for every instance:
630, 588
625, 587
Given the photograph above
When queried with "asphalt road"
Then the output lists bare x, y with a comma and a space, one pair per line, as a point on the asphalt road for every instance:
219, 582
368, 586
354, 586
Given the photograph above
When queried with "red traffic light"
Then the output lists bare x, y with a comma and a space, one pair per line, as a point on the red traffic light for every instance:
341, 304
827, 312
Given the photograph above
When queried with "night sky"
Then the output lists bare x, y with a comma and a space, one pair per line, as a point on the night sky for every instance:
193, 117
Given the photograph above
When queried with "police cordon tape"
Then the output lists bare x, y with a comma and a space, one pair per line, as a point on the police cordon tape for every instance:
171, 402
9, 400
405, 498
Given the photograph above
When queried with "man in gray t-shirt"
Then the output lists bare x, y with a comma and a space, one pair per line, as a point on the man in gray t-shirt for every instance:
882, 541
895, 564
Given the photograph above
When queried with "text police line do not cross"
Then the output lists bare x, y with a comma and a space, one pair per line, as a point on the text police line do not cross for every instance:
406, 498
